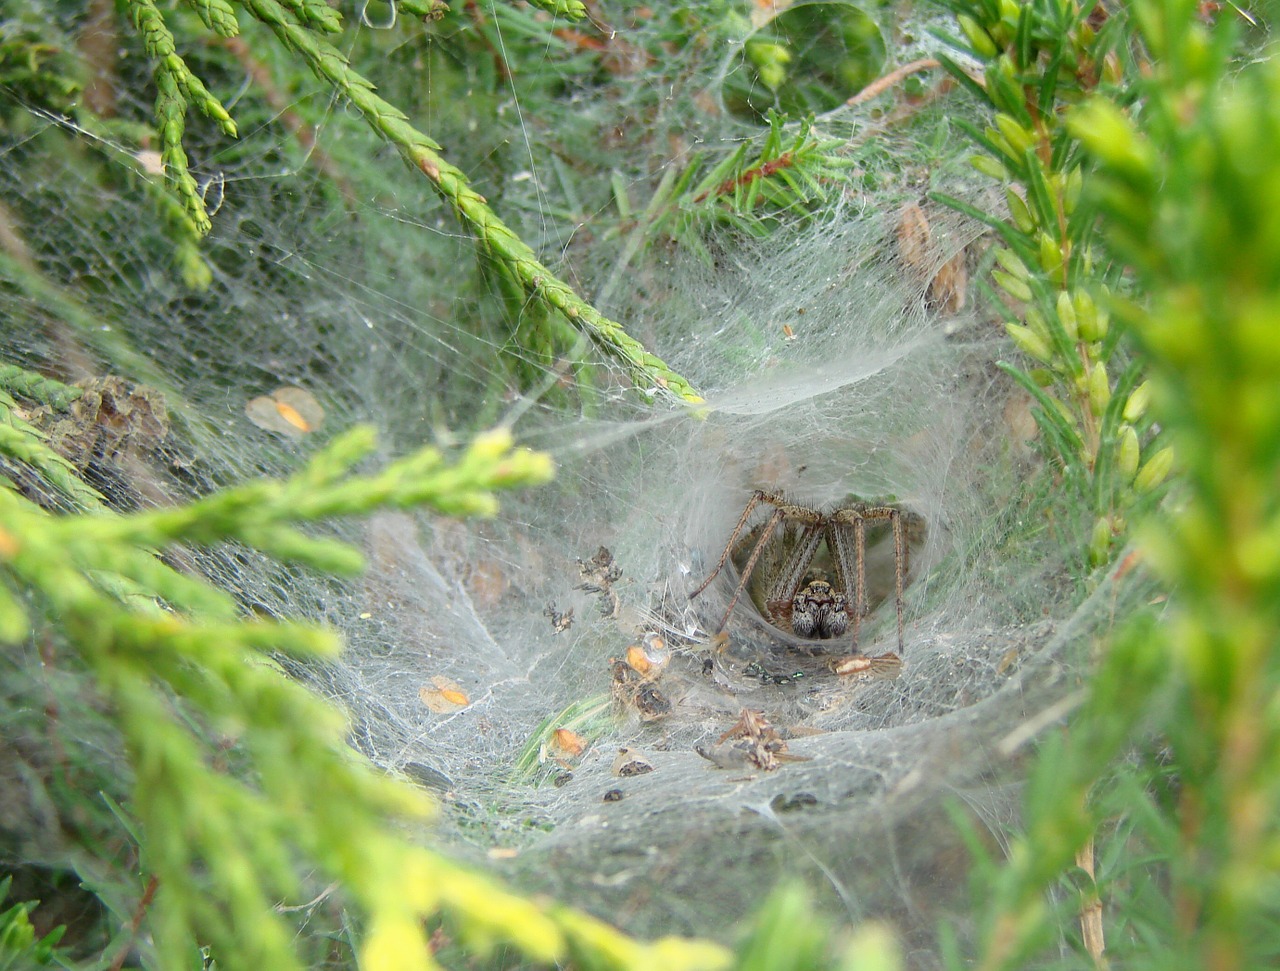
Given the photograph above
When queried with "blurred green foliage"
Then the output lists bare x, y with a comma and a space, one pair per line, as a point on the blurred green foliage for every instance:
1152, 824
808, 59
20, 945
1038, 60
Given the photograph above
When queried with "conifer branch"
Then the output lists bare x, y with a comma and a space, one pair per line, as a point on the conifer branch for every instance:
498, 241
176, 89
30, 384
223, 848
217, 16
24, 444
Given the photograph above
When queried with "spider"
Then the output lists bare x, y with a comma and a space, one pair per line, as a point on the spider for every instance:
798, 598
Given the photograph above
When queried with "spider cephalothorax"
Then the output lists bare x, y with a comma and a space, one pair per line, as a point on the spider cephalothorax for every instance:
787, 542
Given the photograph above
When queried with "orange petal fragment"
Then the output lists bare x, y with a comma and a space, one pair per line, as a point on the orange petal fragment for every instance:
289, 411
638, 659
443, 695
568, 741
290, 414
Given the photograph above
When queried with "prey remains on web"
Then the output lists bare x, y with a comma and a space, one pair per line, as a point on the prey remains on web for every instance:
793, 592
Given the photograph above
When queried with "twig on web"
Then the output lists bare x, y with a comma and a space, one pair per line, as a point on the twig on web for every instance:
889, 80
1091, 910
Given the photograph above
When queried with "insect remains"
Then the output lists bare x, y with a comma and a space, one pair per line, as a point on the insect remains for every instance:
780, 570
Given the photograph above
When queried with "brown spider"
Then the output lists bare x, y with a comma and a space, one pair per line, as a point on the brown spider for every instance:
795, 599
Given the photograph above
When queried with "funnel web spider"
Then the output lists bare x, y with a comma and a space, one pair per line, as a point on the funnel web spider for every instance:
795, 599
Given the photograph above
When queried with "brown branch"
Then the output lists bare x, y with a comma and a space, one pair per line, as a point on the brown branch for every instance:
1091, 909
138, 913
99, 45
881, 84
763, 171
301, 131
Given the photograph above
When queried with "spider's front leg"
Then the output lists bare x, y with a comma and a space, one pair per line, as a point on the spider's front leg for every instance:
770, 525
847, 534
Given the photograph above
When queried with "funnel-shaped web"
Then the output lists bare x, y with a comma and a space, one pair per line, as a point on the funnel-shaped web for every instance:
869, 394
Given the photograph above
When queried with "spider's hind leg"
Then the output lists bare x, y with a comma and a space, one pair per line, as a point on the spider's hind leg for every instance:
850, 564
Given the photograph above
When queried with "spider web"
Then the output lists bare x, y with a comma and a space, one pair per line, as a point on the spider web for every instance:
829, 373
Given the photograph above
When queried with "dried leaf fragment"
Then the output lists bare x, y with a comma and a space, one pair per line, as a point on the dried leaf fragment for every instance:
443, 695
637, 693
852, 664
631, 762
565, 741
636, 659
948, 290
915, 239
881, 667
948, 281
487, 582
598, 576
1008, 661
110, 423
288, 411
560, 622
751, 739
650, 657
150, 160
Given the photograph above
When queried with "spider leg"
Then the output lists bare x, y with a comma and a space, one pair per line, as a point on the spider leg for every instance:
857, 519
900, 554
860, 556
899, 565
780, 602
850, 564
792, 573
755, 500
770, 525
